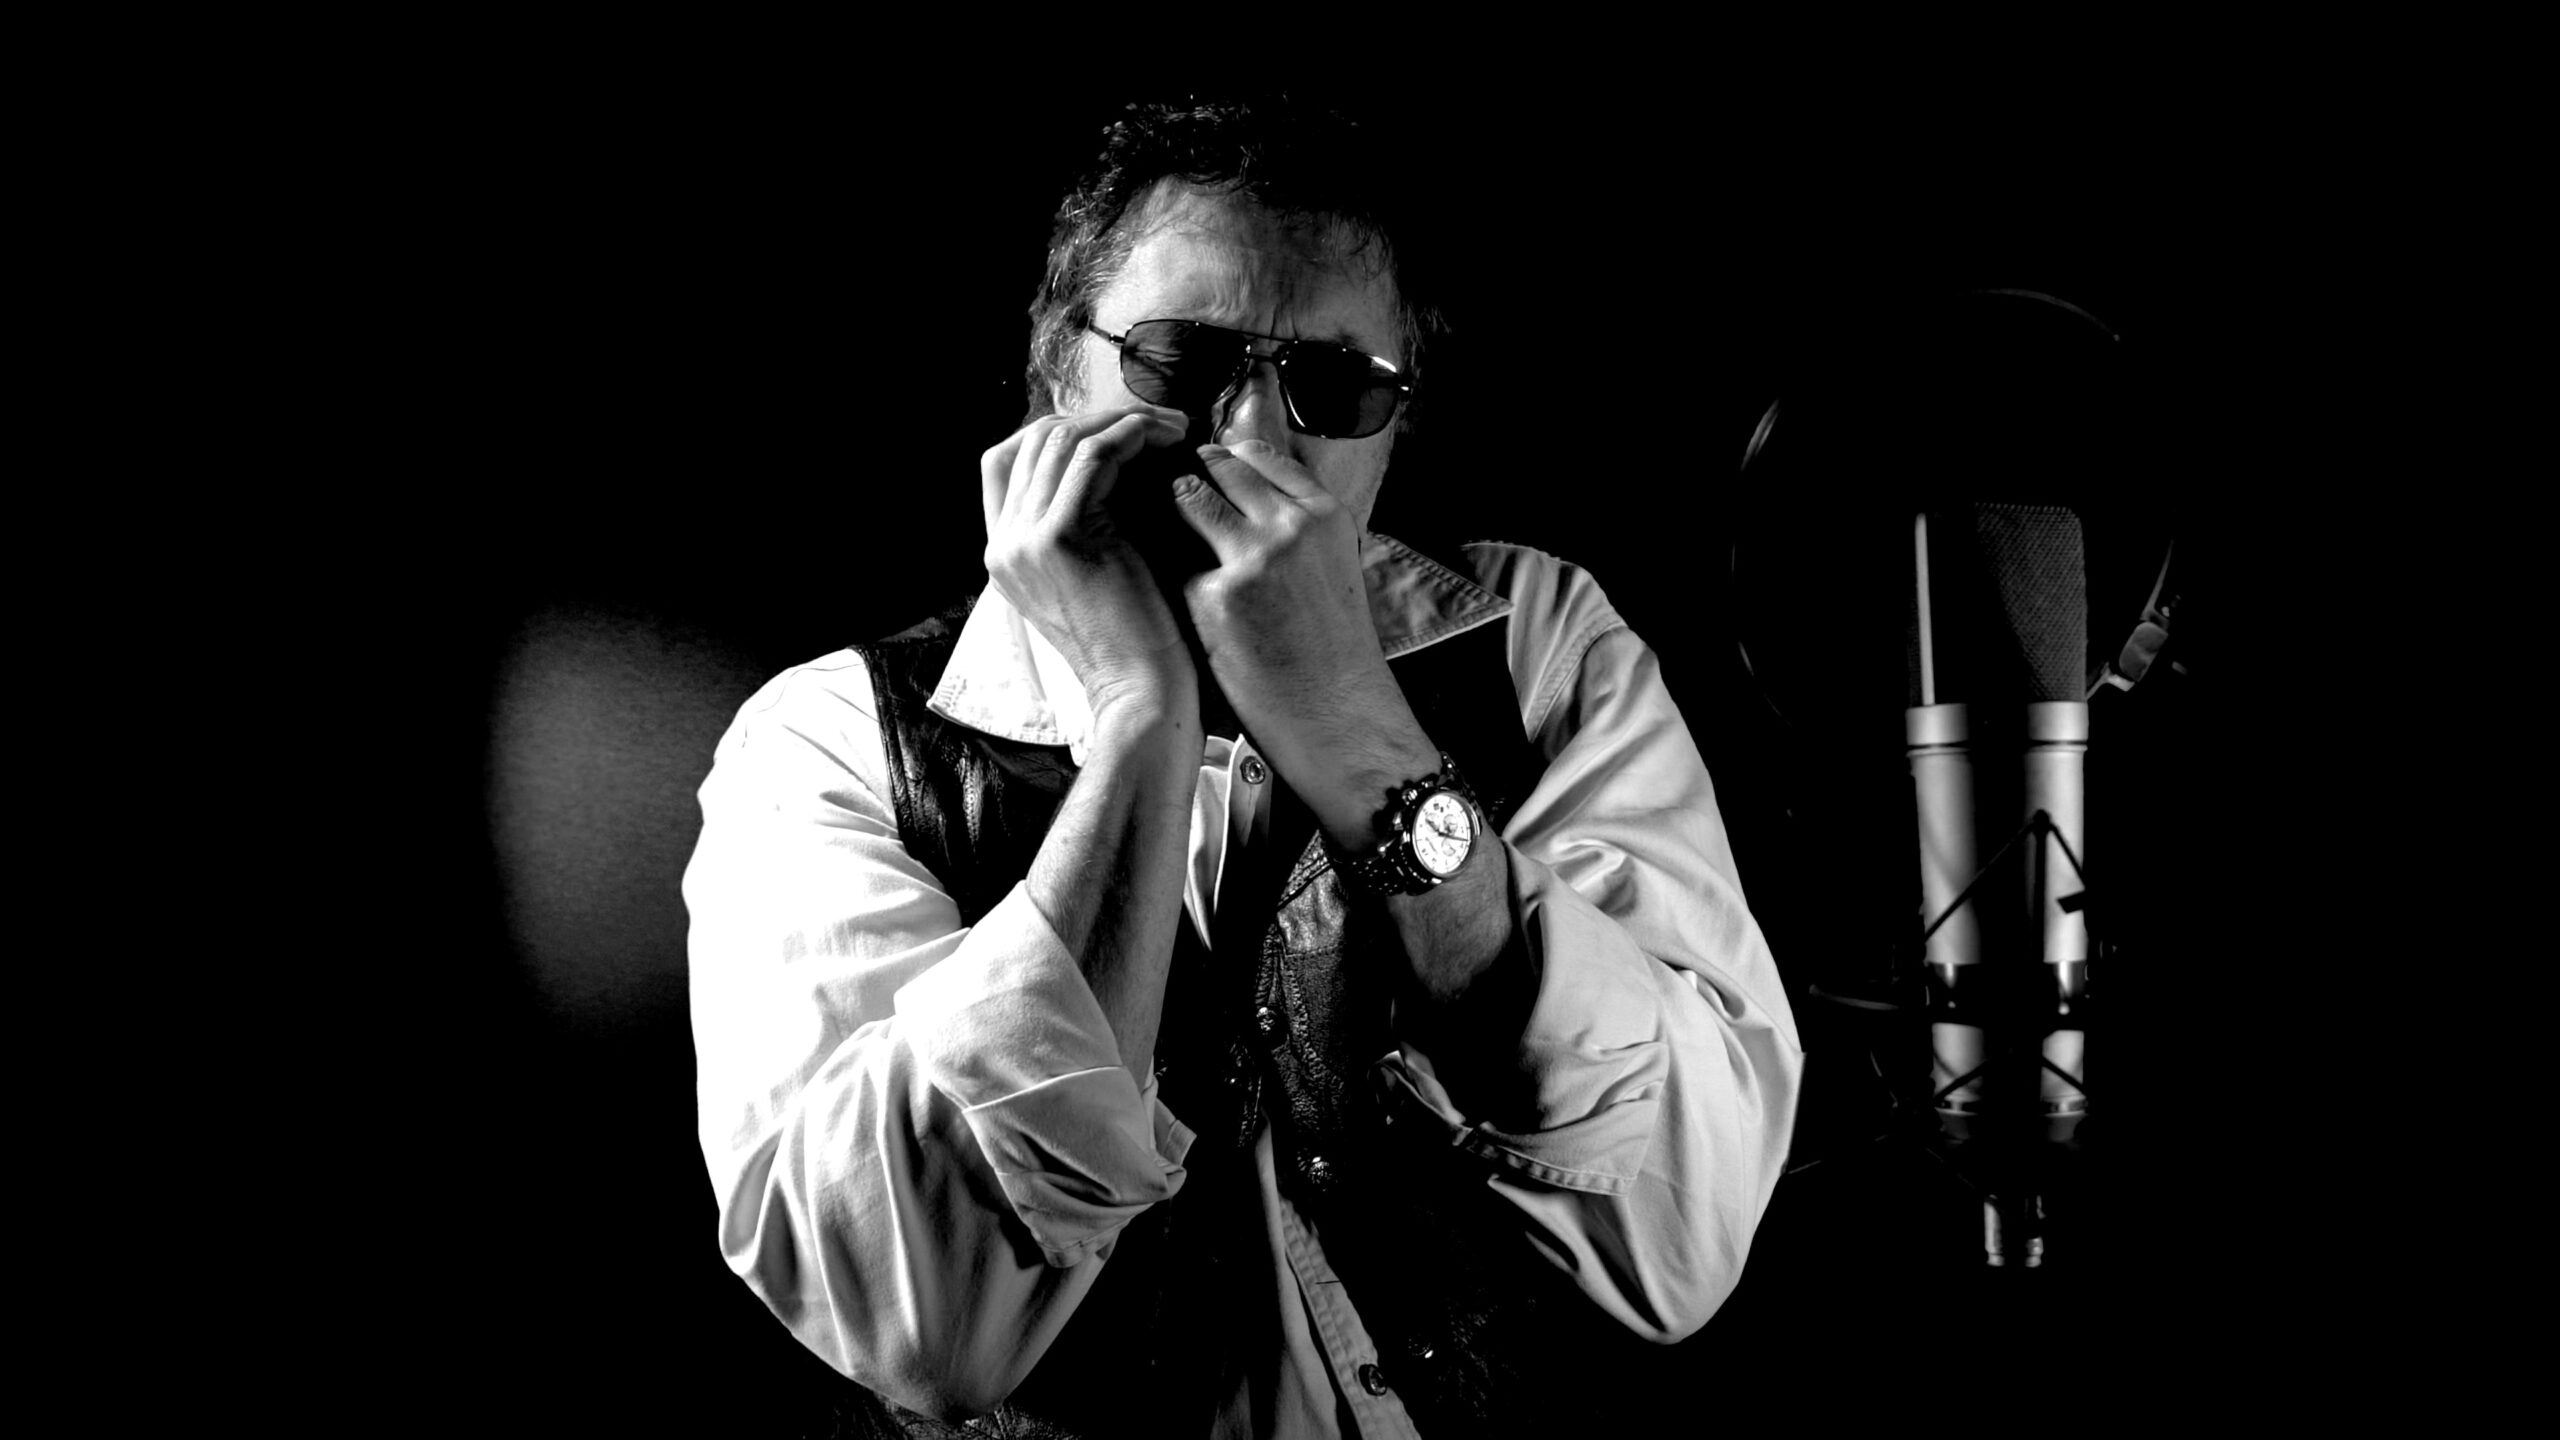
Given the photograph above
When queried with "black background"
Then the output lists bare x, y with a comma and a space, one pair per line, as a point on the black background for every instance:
685, 381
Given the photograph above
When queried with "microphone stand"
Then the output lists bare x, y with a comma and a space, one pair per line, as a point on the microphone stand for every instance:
2005, 1152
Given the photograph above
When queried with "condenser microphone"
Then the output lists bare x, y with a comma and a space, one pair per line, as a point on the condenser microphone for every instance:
1931, 473
1998, 735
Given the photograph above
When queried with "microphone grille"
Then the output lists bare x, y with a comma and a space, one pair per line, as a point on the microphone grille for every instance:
2042, 591
2012, 604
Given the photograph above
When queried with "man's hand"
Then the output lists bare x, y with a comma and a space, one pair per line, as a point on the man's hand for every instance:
1108, 878
1284, 621
1059, 549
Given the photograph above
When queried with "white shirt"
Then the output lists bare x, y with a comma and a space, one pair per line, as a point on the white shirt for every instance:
923, 1143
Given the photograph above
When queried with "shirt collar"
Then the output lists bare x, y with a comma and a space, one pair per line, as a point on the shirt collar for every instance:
1007, 681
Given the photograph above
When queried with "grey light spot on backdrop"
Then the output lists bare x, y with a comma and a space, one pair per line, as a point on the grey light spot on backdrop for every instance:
602, 727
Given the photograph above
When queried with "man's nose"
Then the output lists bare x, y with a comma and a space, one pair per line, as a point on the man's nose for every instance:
1255, 409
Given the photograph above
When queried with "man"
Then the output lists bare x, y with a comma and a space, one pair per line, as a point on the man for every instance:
1244, 976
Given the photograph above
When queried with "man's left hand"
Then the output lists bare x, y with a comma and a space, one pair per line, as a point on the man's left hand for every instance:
1284, 620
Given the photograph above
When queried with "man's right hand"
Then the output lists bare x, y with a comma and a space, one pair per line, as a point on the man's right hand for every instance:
1058, 552
1109, 875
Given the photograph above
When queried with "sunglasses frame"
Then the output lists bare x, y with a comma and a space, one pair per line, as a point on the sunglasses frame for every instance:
1381, 370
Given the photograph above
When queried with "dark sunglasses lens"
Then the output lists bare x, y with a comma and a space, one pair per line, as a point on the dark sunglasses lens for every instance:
1339, 394
1172, 362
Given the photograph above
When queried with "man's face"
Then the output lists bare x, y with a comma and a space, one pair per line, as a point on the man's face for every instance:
1204, 258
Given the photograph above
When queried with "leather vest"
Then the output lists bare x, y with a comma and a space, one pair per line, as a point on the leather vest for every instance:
1477, 1334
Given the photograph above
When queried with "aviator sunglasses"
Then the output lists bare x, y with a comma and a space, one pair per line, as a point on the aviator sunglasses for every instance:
1333, 391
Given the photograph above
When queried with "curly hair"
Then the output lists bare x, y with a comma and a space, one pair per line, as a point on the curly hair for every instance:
1291, 160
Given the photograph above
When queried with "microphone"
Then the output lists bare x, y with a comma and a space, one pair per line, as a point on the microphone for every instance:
1998, 736
1935, 465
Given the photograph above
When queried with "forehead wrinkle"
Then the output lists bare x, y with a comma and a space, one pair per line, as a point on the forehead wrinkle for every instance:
1248, 270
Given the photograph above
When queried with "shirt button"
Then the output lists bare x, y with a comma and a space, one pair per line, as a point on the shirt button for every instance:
1373, 1379
1319, 1169
1272, 1026
1255, 772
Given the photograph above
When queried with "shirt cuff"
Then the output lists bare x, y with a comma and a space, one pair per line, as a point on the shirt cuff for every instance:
1008, 1029
1593, 1059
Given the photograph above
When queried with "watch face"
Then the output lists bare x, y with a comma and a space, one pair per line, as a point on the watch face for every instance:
1443, 831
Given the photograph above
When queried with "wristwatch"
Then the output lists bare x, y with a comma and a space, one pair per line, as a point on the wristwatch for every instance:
1431, 825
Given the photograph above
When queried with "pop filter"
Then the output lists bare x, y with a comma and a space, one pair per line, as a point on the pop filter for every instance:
2003, 397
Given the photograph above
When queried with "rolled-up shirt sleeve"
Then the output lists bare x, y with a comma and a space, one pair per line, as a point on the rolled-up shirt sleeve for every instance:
921, 1137
1649, 1115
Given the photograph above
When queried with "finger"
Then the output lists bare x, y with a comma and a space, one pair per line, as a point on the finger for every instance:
1206, 508
1088, 466
1179, 422
995, 475
1276, 469
1023, 473
1244, 485
1093, 422
1025, 497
